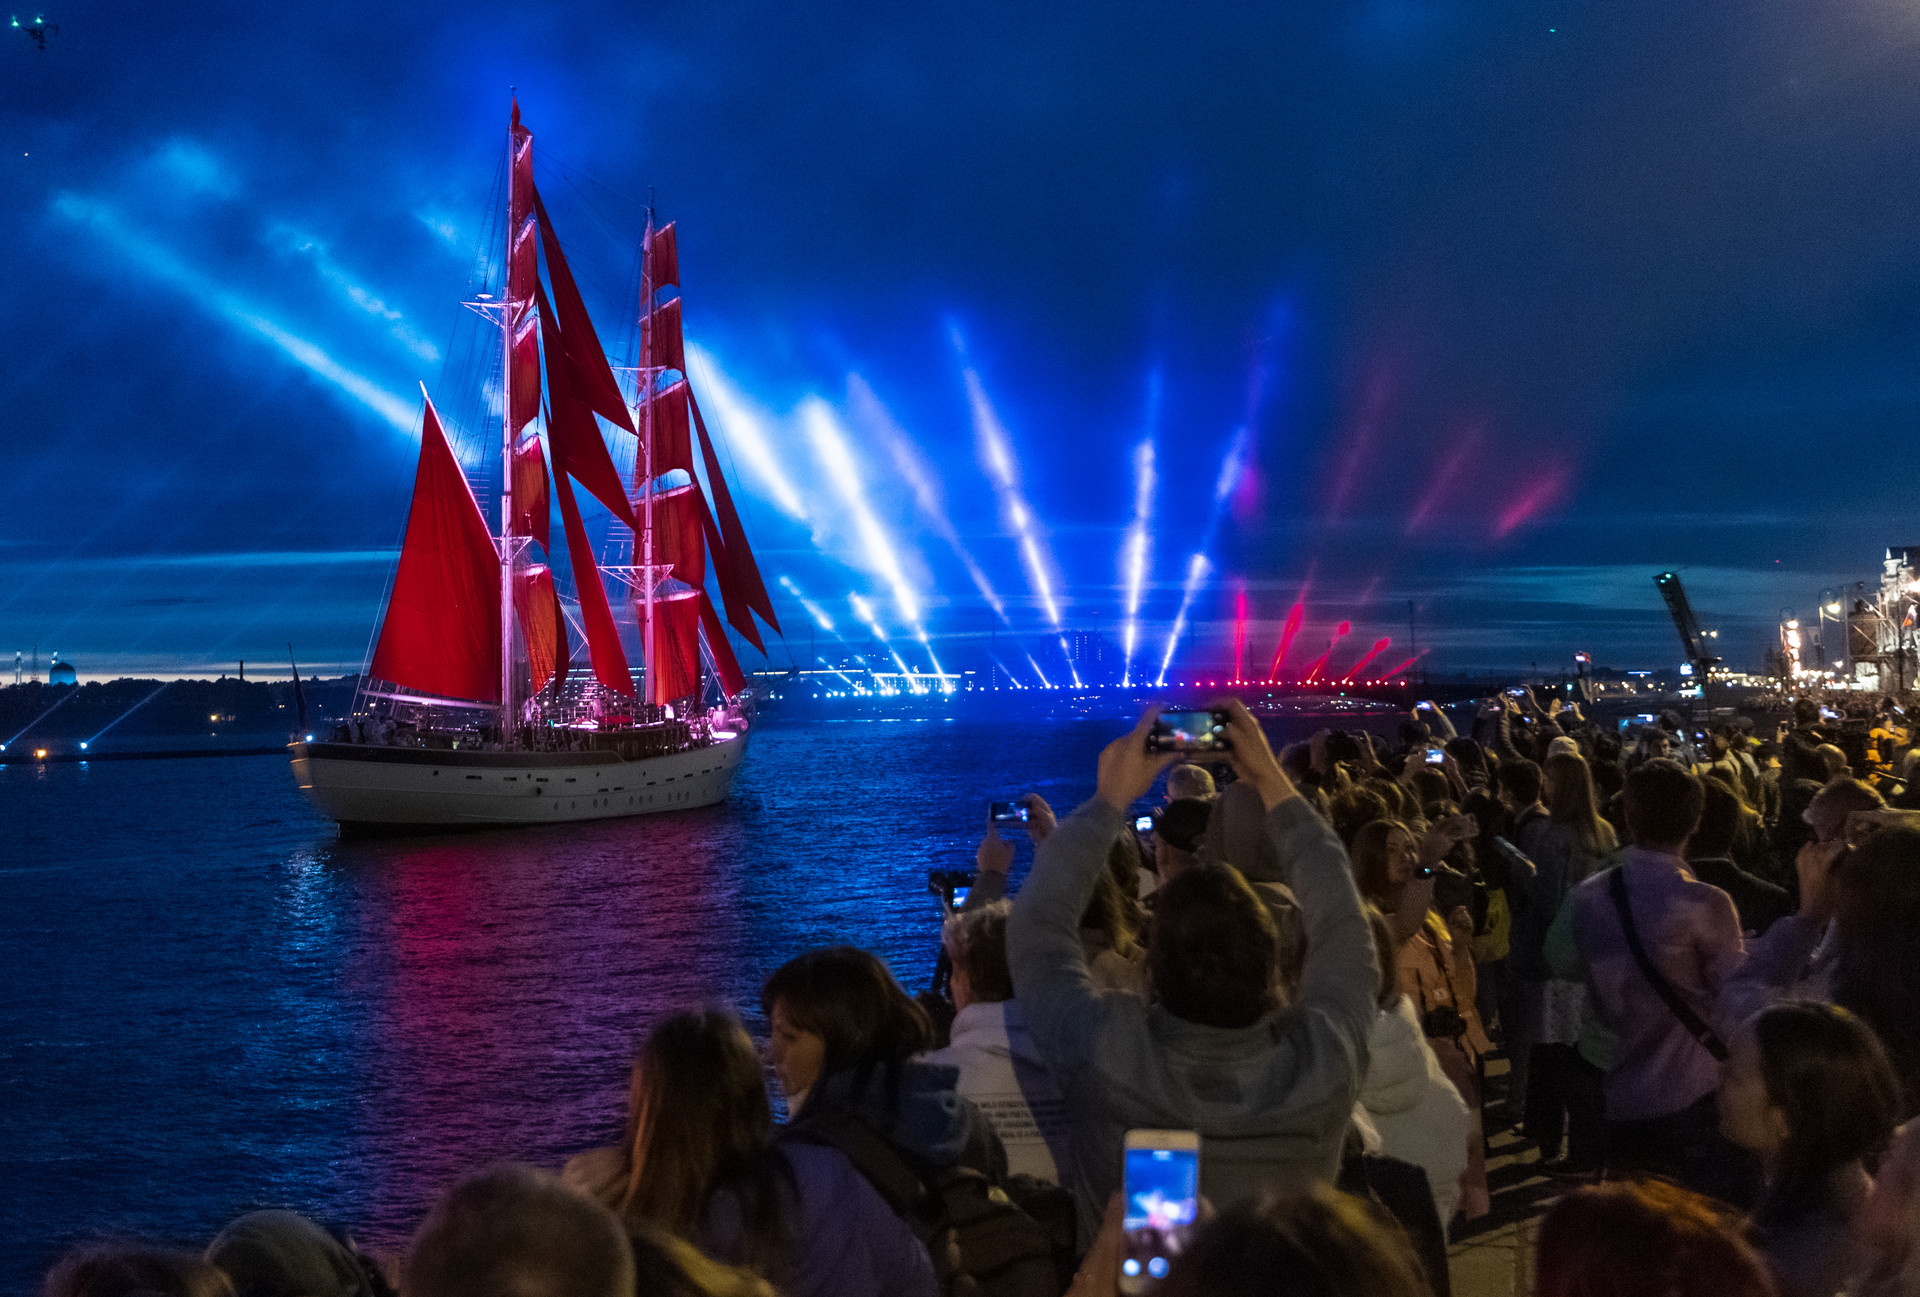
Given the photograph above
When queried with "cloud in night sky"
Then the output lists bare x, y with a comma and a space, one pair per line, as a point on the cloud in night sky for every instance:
1506, 307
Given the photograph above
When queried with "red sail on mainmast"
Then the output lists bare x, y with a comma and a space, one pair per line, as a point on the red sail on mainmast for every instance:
441, 633
522, 277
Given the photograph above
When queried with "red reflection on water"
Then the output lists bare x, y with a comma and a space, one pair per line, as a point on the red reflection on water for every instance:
524, 968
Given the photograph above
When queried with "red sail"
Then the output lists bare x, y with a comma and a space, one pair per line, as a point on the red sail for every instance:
663, 257
603, 639
545, 630
738, 613
677, 538
573, 435
525, 353
739, 567
732, 679
522, 276
530, 509
676, 647
592, 379
672, 432
660, 338
441, 634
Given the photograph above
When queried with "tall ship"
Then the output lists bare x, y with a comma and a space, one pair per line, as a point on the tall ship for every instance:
470, 710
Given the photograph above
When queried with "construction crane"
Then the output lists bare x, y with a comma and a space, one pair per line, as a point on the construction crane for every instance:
1692, 638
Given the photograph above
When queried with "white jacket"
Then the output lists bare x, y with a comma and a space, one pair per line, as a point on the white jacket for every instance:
1001, 1072
1419, 1114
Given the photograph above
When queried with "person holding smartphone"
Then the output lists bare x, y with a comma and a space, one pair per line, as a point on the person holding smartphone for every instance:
1269, 1094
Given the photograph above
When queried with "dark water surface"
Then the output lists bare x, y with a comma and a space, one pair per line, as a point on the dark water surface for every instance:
210, 1002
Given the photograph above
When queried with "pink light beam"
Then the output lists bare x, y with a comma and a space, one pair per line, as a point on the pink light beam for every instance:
1292, 628
1542, 492
1404, 665
1379, 647
1239, 632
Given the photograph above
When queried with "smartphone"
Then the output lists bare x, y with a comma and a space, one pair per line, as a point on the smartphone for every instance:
1829, 714
1143, 824
1423, 707
1435, 756
1007, 812
957, 897
1516, 693
1189, 732
1162, 1187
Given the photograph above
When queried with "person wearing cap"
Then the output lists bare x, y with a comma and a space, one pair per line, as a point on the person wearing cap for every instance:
1177, 834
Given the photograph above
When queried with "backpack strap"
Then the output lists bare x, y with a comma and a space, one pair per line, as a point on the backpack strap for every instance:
873, 1157
1699, 1030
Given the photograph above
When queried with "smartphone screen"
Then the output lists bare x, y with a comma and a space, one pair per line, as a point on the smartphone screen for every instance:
1162, 1173
1516, 693
1189, 732
1143, 824
1007, 812
958, 897
1435, 756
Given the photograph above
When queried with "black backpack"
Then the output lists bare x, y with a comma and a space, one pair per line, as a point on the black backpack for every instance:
981, 1243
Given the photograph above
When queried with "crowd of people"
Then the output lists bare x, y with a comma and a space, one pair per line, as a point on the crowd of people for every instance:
1694, 950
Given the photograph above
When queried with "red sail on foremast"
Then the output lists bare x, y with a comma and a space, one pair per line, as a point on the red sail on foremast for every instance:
441, 634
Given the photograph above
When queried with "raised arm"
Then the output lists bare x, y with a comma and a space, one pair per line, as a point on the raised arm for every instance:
1050, 974
1341, 976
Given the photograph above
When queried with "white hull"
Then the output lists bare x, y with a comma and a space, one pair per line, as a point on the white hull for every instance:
365, 785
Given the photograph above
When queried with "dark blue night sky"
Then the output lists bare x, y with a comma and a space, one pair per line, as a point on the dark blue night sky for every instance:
1494, 308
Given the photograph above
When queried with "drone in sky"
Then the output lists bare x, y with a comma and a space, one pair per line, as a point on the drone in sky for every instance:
37, 29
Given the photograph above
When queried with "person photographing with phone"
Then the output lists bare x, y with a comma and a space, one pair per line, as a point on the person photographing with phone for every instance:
1268, 1095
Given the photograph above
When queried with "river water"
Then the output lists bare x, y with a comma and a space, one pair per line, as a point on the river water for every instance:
211, 1002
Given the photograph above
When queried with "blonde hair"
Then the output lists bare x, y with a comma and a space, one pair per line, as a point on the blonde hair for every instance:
1570, 800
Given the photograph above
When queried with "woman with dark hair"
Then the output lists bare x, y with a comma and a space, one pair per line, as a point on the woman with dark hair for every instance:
1808, 1089
844, 1036
698, 1161
1643, 1239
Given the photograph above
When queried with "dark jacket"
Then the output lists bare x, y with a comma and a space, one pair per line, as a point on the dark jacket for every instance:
842, 1239
917, 1108
1759, 903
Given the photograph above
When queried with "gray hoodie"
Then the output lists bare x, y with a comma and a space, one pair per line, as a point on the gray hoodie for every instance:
1271, 1101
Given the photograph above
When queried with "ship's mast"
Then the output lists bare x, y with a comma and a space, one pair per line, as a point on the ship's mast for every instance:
507, 711
647, 379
